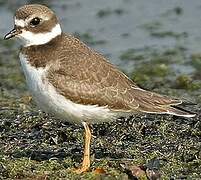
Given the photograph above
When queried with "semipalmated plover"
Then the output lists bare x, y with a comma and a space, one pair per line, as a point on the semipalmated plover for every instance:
75, 83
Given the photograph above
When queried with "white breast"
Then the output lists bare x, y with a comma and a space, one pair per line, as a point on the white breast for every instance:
49, 100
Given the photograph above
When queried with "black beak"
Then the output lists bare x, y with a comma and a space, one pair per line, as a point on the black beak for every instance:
12, 34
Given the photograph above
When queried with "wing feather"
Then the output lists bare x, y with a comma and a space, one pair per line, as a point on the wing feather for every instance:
86, 77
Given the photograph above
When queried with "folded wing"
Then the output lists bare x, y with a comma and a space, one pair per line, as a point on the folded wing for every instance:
86, 77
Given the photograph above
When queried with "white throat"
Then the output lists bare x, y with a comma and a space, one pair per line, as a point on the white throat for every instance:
30, 38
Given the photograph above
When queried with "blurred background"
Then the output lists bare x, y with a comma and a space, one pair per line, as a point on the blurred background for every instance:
153, 38
157, 43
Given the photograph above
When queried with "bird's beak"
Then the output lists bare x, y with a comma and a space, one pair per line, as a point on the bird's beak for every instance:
12, 33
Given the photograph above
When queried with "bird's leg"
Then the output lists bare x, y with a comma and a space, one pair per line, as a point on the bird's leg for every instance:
86, 160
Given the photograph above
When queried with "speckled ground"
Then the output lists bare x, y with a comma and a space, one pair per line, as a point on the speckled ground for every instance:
34, 145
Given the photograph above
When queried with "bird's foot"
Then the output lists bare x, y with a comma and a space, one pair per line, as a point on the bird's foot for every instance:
81, 170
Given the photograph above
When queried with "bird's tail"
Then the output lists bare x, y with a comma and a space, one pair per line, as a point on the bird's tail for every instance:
177, 111
174, 110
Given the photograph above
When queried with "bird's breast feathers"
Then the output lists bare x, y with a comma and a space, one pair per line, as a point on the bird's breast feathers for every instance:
49, 100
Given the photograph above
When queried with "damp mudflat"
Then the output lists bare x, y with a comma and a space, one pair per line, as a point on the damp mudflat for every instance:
158, 44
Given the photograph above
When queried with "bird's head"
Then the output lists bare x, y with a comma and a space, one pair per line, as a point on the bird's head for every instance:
35, 25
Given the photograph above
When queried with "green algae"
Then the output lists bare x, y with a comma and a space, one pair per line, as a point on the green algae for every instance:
196, 61
146, 72
186, 82
107, 12
164, 34
178, 11
33, 154
131, 54
153, 26
37, 146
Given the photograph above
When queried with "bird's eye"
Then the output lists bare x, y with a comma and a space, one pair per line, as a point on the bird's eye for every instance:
35, 21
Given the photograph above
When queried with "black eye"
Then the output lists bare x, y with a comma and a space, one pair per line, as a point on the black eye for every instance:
35, 21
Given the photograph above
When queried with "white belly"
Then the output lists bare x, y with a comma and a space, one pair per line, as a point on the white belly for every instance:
49, 100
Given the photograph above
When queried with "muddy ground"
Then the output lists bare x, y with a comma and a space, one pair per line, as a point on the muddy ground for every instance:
37, 146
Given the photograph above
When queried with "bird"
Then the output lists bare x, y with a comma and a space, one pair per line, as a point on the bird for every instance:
75, 83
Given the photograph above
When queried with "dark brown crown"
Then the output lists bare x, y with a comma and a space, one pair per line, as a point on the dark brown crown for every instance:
49, 19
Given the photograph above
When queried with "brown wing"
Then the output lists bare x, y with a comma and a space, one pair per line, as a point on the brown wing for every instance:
85, 77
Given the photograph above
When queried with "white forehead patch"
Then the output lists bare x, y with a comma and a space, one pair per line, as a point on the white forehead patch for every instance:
20, 22
23, 23
30, 38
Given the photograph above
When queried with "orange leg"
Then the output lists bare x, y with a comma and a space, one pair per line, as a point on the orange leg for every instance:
86, 160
